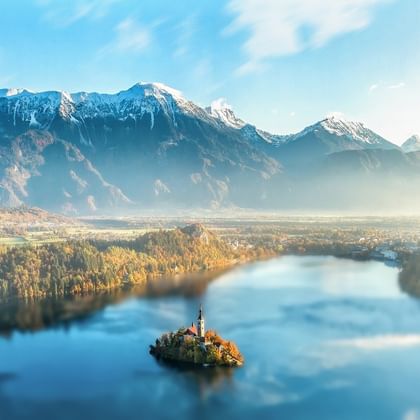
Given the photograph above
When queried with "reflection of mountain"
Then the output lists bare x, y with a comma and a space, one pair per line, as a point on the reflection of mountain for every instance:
148, 146
37, 314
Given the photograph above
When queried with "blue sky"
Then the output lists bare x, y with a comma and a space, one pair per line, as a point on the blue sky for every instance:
280, 64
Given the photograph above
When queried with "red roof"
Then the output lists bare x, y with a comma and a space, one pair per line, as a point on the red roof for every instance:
192, 330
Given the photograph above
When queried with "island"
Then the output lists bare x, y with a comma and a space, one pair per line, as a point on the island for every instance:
195, 345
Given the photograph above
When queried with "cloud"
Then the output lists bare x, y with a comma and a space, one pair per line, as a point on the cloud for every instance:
277, 28
380, 86
397, 86
129, 37
221, 103
68, 13
335, 354
252, 66
186, 29
381, 342
412, 415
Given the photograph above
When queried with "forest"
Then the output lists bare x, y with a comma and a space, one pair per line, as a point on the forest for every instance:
79, 267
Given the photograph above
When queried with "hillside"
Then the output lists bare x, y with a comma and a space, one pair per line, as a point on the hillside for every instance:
31, 216
21, 220
79, 267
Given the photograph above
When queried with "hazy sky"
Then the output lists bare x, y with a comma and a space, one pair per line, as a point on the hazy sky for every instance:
281, 64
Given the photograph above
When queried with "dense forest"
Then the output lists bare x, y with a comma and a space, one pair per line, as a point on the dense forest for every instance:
409, 277
78, 267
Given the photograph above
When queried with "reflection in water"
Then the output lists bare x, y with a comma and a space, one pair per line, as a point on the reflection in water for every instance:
202, 380
36, 314
409, 277
32, 315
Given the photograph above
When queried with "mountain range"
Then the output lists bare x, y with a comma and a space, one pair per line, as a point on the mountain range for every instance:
149, 147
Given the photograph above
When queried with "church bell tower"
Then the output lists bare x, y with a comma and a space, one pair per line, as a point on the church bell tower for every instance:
200, 323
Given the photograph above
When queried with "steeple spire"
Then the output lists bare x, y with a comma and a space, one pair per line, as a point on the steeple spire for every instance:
200, 323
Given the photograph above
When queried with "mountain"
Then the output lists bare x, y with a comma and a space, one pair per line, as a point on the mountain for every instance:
331, 135
147, 142
412, 144
39, 169
148, 146
220, 110
336, 134
21, 219
370, 180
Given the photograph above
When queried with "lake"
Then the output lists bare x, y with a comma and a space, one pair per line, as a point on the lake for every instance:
323, 338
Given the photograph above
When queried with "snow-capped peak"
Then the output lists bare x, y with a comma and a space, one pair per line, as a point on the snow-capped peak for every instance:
12, 92
40, 109
152, 89
355, 134
221, 110
161, 86
338, 125
412, 144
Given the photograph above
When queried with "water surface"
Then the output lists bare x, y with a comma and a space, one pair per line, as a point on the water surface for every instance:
322, 338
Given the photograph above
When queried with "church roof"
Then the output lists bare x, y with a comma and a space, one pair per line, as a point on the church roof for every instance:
200, 313
192, 330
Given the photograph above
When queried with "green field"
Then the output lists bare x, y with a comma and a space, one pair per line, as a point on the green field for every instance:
76, 232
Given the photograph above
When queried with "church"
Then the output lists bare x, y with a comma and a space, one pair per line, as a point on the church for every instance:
198, 331
195, 345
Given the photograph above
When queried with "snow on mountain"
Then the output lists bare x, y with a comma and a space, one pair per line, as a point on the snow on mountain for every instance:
150, 146
222, 111
140, 99
352, 131
148, 141
412, 144
11, 92
355, 130
40, 109
37, 109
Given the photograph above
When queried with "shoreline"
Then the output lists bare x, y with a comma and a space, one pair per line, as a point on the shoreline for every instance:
189, 274
34, 314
